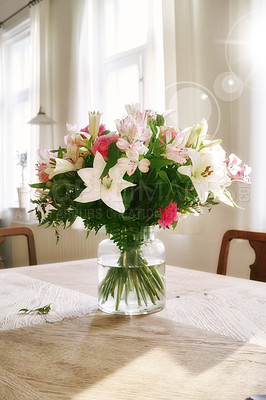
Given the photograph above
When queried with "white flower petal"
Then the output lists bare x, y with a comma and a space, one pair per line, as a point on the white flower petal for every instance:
116, 173
125, 184
185, 170
195, 158
113, 199
61, 167
98, 165
89, 194
202, 190
144, 165
87, 175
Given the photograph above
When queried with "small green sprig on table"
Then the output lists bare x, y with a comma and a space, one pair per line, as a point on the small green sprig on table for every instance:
40, 311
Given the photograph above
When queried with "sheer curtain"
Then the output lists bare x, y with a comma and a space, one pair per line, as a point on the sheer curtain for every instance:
81, 82
203, 81
41, 62
257, 137
220, 75
2, 169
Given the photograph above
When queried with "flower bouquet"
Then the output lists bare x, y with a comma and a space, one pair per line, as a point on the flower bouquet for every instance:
144, 174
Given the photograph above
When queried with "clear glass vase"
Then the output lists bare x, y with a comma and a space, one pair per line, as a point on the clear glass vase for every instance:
131, 281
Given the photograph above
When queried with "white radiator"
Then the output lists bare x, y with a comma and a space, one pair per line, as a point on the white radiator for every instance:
73, 245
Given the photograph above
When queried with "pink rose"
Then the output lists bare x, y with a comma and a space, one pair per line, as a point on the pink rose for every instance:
102, 143
168, 215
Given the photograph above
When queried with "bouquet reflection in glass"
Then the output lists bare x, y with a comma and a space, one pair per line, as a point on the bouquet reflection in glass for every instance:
145, 174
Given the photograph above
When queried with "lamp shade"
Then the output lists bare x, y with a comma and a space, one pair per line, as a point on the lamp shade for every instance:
41, 119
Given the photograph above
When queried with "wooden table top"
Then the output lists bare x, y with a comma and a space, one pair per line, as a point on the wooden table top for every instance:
209, 343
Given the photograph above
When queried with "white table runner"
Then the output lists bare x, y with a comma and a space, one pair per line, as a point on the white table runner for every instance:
19, 291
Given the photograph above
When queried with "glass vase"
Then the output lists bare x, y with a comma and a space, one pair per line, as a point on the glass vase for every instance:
131, 280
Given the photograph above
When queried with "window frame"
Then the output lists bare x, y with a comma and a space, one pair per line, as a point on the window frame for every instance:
11, 36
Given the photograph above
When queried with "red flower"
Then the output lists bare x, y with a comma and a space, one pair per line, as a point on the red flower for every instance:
102, 143
168, 215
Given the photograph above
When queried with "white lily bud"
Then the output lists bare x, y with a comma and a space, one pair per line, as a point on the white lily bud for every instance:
197, 134
94, 123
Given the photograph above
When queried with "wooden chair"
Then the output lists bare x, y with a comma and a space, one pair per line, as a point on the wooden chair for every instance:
24, 231
257, 241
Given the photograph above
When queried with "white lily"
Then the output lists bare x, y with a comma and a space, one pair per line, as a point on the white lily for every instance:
94, 123
108, 188
59, 166
207, 172
197, 134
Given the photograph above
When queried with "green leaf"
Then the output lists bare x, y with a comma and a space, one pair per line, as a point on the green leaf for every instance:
90, 142
164, 177
159, 120
127, 196
60, 152
43, 310
158, 148
174, 224
159, 162
38, 185
113, 155
105, 132
25, 310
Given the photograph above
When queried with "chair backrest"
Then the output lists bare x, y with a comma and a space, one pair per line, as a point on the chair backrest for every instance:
24, 231
257, 241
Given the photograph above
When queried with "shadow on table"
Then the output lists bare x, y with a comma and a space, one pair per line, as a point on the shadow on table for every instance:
89, 357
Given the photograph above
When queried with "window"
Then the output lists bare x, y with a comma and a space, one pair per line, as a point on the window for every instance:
15, 99
130, 56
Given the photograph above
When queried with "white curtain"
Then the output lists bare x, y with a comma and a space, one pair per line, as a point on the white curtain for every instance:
257, 136
220, 75
154, 66
41, 62
2, 145
81, 86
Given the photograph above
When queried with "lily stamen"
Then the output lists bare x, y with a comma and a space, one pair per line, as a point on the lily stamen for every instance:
207, 172
106, 181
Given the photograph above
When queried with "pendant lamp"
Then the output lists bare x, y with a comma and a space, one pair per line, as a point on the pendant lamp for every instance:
41, 119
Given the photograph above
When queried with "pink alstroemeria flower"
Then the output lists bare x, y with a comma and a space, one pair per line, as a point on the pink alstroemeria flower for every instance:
236, 171
74, 142
167, 133
130, 166
168, 215
176, 150
135, 125
45, 155
132, 150
43, 176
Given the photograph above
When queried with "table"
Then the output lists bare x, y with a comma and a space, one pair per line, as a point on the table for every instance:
209, 343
